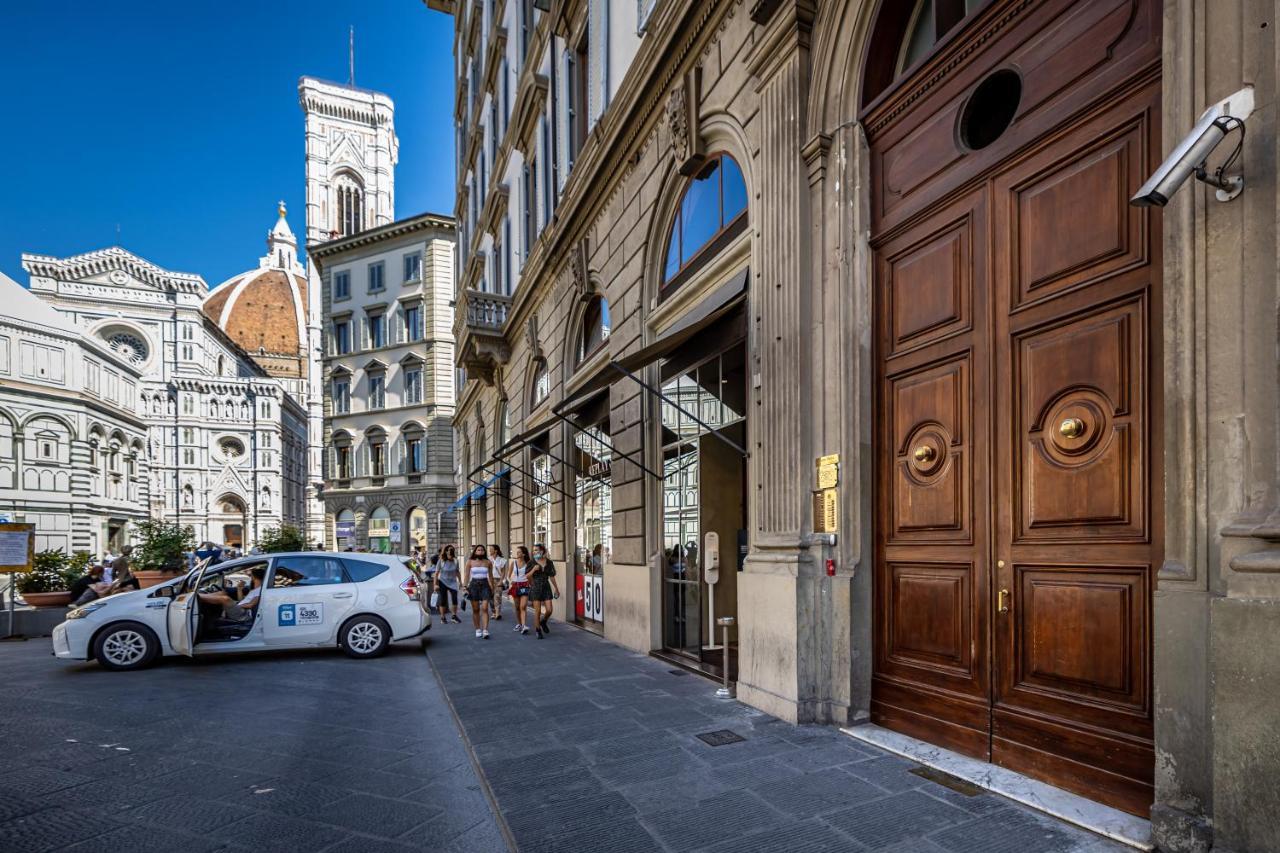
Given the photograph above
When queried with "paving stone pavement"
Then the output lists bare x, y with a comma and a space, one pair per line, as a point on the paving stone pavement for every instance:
309, 751
589, 747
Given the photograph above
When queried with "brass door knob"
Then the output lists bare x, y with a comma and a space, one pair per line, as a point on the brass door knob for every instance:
1071, 428
924, 454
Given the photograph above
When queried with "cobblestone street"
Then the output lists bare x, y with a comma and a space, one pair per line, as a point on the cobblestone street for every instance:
584, 745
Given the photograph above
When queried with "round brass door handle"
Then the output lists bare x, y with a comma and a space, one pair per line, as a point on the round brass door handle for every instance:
1071, 428
924, 454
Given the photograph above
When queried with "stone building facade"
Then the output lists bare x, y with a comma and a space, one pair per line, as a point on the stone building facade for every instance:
227, 441
389, 385
73, 448
1048, 416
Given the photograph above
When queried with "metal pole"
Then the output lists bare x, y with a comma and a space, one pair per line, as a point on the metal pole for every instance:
688, 414
12, 594
724, 692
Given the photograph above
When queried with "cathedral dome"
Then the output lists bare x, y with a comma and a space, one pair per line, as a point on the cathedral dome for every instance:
265, 310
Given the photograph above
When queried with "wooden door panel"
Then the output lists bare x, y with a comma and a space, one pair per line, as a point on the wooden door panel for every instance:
929, 613
932, 472
1079, 427
1070, 224
1079, 630
929, 287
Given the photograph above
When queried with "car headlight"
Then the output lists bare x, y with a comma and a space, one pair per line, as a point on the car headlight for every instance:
81, 612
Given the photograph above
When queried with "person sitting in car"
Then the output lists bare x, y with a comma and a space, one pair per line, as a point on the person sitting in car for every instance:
244, 609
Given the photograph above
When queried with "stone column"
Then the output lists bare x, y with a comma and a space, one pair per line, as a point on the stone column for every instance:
1217, 604
776, 643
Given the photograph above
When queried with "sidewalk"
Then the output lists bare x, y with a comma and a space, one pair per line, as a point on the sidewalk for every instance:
588, 746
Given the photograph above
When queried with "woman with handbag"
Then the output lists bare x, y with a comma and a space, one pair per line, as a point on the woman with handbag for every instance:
448, 576
518, 576
476, 579
543, 589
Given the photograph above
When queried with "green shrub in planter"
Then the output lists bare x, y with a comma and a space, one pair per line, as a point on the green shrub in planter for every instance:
275, 540
161, 546
48, 574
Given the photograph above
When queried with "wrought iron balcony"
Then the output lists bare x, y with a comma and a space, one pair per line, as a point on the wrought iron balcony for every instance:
482, 346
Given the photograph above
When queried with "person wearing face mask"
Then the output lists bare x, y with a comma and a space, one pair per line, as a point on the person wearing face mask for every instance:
518, 575
543, 589
475, 579
447, 578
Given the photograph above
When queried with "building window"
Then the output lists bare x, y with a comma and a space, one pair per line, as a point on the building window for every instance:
342, 285
265, 409
342, 458
413, 323
413, 385
714, 206
188, 435
413, 455
377, 277
412, 267
188, 457
342, 337
541, 384
595, 328
526, 28
350, 207
541, 498
341, 396
188, 404
377, 391
377, 330
530, 204
377, 459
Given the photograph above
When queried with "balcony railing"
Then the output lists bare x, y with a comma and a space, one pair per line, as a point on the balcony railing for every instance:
479, 329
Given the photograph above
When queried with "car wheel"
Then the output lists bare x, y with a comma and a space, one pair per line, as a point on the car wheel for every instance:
126, 645
365, 637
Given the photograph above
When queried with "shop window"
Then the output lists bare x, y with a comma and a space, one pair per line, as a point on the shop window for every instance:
595, 328
712, 211
541, 470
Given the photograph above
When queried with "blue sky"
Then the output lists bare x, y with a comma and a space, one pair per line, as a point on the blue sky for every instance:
180, 123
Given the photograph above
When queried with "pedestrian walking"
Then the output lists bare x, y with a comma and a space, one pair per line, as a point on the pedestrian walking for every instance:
497, 580
448, 576
518, 575
543, 589
476, 577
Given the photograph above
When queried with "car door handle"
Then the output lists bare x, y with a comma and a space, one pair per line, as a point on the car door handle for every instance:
342, 595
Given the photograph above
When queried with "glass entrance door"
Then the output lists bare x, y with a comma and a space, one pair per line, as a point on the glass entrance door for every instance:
682, 599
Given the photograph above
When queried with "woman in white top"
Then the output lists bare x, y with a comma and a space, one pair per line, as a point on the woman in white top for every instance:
518, 577
498, 581
475, 579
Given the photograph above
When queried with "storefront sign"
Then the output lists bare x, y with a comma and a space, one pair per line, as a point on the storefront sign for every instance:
346, 529
826, 515
379, 527
828, 468
593, 597
395, 532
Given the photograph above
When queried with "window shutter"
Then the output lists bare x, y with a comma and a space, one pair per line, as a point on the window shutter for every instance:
400, 460
598, 56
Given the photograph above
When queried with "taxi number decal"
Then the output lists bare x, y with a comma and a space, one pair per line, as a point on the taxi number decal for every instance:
291, 615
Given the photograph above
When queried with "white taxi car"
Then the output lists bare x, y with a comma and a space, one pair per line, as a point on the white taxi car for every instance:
359, 602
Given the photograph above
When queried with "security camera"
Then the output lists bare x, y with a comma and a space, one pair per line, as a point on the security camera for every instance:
1189, 157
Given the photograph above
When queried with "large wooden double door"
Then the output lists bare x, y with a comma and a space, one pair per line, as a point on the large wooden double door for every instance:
1017, 402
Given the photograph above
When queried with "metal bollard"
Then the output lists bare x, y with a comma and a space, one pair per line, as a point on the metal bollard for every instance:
724, 692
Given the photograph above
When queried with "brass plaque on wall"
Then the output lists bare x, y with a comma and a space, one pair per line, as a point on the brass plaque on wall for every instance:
826, 513
828, 468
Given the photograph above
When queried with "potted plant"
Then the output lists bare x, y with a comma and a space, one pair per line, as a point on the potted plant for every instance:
46, 584
161, 551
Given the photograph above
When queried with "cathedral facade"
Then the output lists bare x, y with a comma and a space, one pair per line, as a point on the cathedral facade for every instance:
223, 379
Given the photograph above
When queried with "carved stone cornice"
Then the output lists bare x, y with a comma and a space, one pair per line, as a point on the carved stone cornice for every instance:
495, 208
815, 153
493, 61
684, 124
1267, 530
531, 96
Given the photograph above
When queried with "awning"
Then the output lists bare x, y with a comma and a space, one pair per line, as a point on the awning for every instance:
716, 306
459, 503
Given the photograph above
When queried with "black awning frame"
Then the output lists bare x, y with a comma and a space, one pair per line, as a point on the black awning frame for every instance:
612, 448
742, 451
497, 476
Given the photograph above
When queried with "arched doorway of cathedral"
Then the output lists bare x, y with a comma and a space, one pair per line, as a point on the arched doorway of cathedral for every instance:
415, 525
230, 518
697, 357
1017, 442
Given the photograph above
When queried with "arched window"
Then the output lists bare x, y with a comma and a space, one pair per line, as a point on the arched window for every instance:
904, 34
349, 206
541, 387
595, 328
712, 212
